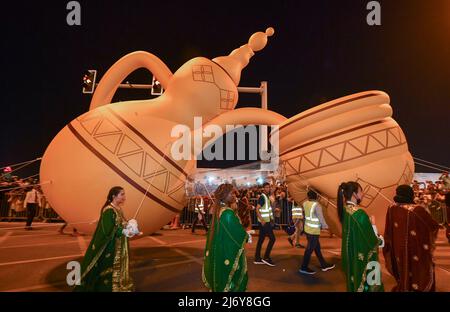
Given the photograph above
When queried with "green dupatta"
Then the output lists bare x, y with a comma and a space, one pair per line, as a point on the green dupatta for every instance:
106, 262
359, 247
225, 264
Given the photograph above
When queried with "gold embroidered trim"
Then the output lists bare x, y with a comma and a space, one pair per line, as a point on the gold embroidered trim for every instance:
99, 254
235, 263
106, 272
234, 268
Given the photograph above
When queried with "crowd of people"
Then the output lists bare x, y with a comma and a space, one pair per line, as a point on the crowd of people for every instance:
415, 217
13, 194
18, 195
419, 210
407, 244
431, 195
23, 199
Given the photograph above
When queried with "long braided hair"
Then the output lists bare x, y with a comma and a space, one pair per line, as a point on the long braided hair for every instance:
220, 196
112, 192
345, 193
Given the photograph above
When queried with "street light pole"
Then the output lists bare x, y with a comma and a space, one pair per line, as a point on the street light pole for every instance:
264, 143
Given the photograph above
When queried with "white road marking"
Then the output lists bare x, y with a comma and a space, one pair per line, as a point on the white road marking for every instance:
33, 235
163, 265
36, 287
177, 250
188, 242
5, 237
39, 260
82, 244
33, 245
173, 244
333, 251
43, 286
157, 240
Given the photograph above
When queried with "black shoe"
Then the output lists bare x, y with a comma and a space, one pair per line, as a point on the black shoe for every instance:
328, 267
290, 241
299, 246
307, 271
269, 262
258, 261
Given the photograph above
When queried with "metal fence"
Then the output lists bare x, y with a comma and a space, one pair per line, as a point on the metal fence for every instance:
187, 215
439, 212
12, 209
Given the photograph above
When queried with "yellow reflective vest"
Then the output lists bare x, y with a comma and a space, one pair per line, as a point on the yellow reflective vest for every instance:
312, 223
266, 210
199, 206
297, 212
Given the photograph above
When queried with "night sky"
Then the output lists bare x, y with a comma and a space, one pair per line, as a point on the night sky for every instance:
321, 50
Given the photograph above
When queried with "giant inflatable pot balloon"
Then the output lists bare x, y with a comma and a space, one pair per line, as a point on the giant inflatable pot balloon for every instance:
352, 138
129, 143
126, 143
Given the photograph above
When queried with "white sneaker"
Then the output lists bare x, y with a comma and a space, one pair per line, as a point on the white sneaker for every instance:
328, 267
269, 262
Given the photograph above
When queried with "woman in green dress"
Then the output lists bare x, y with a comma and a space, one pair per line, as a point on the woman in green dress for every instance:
360, 242
225, 263
105, 264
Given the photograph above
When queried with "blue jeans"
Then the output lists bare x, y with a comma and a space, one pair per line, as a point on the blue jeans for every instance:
313, 245
265, 230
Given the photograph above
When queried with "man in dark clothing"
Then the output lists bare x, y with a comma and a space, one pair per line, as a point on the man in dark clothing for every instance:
266, 223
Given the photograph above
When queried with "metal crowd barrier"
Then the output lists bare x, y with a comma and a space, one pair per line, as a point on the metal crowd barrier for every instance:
283, 220
15, 211
50, 215
12, 207
438, 212
188, 214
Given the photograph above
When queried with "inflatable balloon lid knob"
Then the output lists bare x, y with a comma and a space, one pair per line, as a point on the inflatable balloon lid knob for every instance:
240, 57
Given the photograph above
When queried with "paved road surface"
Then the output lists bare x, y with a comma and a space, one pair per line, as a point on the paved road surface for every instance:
171, 260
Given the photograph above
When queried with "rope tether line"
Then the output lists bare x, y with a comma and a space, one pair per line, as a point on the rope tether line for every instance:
23, 166
26, 186
25, 162
49, 225
150, 182
429, 162
428, 166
